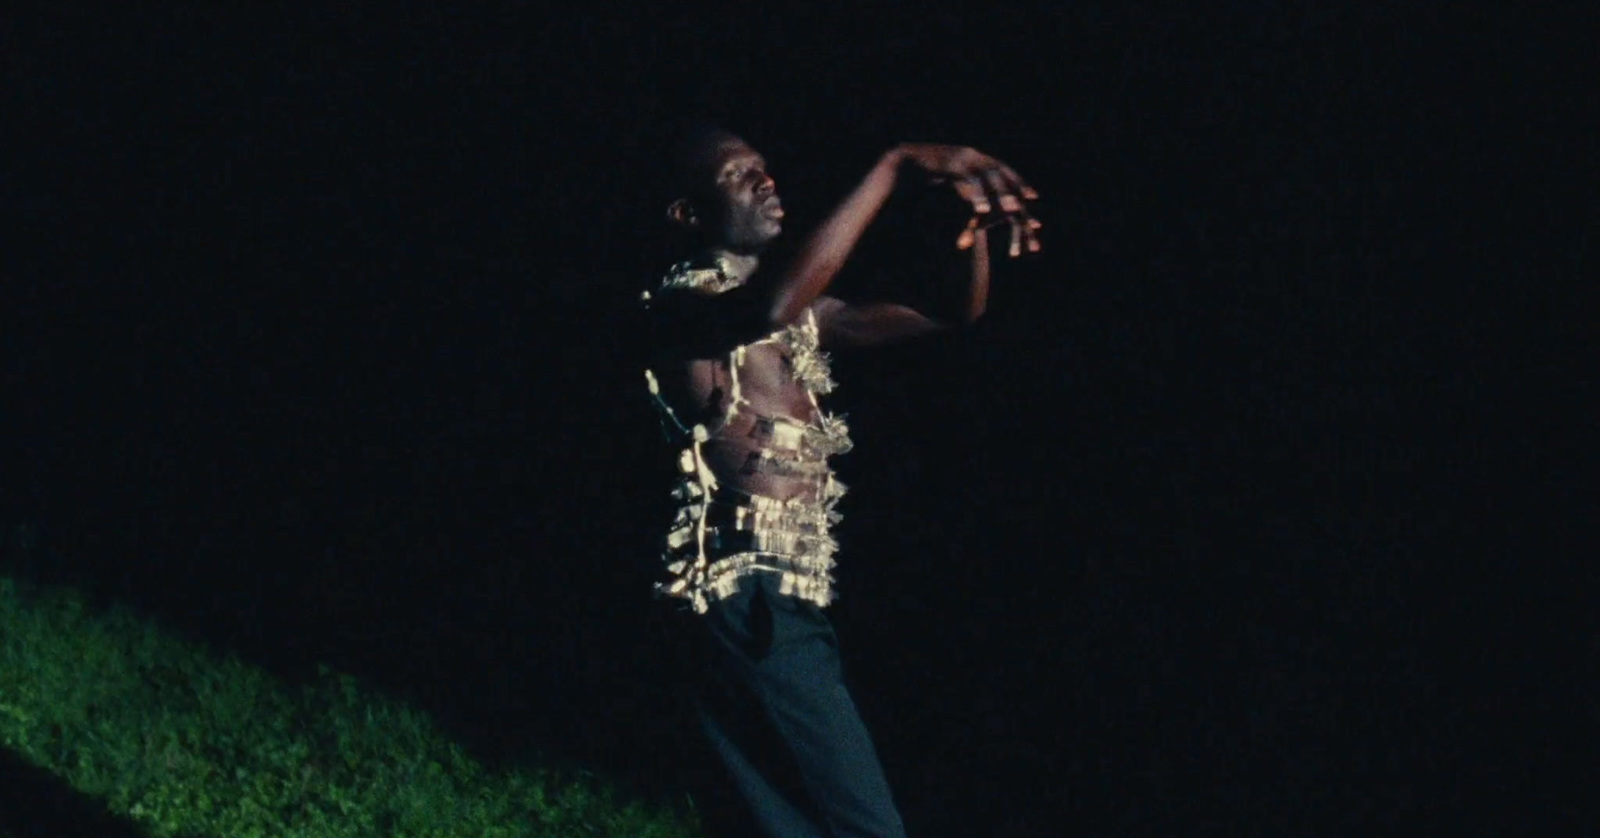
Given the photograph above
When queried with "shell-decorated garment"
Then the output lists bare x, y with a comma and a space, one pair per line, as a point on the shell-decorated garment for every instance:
719, 534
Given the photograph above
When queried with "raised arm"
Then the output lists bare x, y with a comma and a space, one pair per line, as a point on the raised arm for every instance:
829, 246
978, 178
982, 181
872, 324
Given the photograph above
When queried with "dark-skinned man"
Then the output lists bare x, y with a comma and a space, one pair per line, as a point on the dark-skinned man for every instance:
737, 372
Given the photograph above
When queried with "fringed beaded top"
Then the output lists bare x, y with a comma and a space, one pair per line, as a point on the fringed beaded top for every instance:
720, 534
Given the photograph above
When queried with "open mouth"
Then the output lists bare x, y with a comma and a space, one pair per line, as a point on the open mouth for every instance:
772, 209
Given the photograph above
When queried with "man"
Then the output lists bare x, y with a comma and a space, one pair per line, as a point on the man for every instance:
737, 373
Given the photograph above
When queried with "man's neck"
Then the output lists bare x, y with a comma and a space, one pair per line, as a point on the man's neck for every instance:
738, 266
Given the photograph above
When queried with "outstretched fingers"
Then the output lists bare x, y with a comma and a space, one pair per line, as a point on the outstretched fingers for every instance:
1001, 189
969, 234
971, 190
986, 183
1017, 183
1010, 192
1024, 233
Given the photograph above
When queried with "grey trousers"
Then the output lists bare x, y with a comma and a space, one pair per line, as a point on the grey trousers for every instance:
771, 700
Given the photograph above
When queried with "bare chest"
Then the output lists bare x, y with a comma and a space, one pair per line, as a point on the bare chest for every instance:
759, 378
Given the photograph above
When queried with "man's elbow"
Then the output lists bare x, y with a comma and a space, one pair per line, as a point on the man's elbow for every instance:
788, 304
783, 313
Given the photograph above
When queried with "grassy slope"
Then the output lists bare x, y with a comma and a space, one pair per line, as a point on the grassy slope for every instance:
185, 743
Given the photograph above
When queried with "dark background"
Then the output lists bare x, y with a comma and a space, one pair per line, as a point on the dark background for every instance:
1228, 519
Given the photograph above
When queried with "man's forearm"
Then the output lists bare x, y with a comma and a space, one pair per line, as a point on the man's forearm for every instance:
827, 249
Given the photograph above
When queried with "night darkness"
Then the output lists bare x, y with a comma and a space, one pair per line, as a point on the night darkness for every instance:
1229, 518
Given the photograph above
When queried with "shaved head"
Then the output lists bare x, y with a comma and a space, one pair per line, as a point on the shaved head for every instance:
721, 193
695, 153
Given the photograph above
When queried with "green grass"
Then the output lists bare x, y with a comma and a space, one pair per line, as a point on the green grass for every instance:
185, 742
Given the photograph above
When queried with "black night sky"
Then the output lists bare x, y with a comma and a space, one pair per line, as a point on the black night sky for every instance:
318, 345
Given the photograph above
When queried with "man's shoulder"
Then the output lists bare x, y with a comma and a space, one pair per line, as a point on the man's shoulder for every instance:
697, 311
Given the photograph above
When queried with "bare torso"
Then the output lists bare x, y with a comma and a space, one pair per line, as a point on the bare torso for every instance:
772, 408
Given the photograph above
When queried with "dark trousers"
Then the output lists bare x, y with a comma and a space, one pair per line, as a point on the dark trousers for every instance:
771, 701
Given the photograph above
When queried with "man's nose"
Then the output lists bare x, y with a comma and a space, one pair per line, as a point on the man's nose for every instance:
766, 185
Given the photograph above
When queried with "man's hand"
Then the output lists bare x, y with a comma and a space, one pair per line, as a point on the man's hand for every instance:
982, 181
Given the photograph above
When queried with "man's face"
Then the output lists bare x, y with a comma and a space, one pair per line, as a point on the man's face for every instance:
744, 214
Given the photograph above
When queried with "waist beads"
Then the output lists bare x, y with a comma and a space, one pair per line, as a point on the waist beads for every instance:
716, 541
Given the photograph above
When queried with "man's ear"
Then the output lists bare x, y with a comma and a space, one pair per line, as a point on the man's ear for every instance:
682, 212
